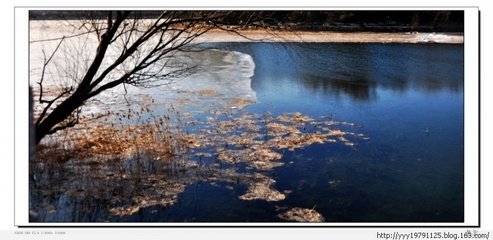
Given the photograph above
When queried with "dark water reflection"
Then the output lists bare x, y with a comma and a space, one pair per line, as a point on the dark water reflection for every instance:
407, 98
356, 70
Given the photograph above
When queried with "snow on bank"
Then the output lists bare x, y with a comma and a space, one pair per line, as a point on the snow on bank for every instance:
344, 37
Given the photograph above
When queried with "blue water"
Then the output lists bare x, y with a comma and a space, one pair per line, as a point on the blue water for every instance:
407, 98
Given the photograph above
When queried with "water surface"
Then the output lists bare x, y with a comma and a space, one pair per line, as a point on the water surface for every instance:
407, 98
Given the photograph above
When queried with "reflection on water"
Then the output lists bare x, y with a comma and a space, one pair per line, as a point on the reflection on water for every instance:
356, 70
358, 88
408, 99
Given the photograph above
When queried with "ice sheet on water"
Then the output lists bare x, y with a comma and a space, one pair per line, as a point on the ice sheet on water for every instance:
225, 73
217, 77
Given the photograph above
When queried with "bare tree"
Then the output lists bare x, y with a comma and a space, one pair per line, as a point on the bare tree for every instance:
130, 50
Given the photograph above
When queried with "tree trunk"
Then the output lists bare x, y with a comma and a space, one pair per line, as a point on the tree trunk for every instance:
59, 114
32, 135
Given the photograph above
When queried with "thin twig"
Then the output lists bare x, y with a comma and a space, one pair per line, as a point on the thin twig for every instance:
46, 62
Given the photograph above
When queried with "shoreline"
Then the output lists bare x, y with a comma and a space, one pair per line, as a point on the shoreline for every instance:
271, 35
330, 37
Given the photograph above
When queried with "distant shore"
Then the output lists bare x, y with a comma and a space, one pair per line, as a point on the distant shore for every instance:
329, 36
58, 29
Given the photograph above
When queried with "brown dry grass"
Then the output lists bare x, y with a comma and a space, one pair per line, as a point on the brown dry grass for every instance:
111, 137
239, 102
251, 139
302, 215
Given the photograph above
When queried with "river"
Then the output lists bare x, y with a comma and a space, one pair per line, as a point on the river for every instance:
405, 101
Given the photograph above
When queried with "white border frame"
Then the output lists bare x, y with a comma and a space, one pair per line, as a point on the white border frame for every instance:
471, 124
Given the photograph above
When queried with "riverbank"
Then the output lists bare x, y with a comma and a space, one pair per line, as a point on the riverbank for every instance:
59, 29
325, 36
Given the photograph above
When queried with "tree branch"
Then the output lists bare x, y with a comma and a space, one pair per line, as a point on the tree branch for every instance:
164, 26
45, 110
46, 62
85, 84
69, 124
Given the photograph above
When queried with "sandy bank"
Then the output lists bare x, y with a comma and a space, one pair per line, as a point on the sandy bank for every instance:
342, 37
